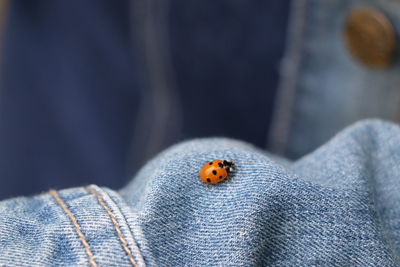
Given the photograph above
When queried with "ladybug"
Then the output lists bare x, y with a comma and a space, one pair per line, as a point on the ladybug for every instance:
216, 171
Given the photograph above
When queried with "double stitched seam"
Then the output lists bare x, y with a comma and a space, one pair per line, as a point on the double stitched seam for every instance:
116, 224
77, 226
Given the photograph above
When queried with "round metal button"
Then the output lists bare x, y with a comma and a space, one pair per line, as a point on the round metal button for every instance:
370, 37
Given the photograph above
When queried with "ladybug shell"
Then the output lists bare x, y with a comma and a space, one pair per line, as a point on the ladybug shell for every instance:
213, 172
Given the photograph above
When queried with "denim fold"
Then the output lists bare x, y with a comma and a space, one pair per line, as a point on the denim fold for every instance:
337, 206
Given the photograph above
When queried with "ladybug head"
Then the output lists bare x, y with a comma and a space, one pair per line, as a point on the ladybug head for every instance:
228, 165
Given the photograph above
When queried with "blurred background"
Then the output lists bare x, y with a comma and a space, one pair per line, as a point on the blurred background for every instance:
90, 90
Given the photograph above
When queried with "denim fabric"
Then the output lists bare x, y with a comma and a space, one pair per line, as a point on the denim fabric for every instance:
37, 232
323, 87
338, 206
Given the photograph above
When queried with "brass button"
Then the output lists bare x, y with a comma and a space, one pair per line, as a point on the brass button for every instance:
370, 37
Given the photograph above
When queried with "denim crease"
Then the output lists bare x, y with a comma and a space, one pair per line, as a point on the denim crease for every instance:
337, 206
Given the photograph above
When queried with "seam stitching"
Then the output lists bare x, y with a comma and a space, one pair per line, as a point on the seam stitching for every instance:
128, 226
78, 230
116, 224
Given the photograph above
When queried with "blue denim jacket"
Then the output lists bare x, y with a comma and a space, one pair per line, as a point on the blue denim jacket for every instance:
338, 206
323, 87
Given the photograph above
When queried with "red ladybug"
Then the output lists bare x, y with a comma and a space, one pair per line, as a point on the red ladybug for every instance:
216, 171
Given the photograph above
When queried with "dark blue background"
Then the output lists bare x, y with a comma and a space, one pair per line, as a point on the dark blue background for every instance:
71, 85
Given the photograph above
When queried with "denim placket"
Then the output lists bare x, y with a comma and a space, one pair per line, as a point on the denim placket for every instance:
323, 87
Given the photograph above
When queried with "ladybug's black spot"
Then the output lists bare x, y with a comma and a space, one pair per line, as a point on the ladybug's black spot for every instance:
211, 163
214, 172
220, 177
220, 164
208, 180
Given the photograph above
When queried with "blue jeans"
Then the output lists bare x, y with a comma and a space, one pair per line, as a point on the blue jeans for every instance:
338, 206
